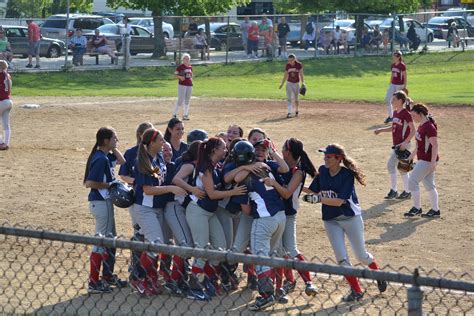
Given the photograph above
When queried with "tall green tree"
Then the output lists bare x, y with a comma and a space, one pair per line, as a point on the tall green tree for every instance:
44, 8
159, 8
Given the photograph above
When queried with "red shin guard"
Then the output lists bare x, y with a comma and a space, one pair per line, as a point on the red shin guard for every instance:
354, 283
374, 266
95, 262
305, 275
178, 269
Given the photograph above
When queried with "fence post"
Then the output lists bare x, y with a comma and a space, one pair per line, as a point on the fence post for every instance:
227, 42
415, 297
126, 52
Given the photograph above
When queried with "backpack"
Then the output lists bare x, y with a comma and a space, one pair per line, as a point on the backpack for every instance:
309, 28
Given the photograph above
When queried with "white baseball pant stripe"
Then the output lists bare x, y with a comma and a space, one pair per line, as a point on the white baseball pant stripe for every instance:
150, 221
354, 229
184, 95
266, 236
175, 217
292, 92
392, 88
103, 212
5, 108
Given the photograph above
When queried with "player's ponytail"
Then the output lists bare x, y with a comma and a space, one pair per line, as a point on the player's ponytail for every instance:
350, 164
192, 153
295, 147
141, 129
143, 160
206, 149
102, 134
422, 109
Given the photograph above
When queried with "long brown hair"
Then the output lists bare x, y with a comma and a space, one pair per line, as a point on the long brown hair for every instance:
141, 128
350, 164
295, 147
144, 163
401, 95
192, 153
206, 149
420, 108
171, 124
102, 134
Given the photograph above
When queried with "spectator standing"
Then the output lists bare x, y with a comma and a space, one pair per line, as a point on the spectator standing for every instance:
77, 44
201, 43
309, 34
266, 30
283, 30
453, 36
252, 50
344, 41
125, 32
244, 27
413, 37
336, 38
34, 37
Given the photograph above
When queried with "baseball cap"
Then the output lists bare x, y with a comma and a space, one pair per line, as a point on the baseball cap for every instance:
331, 150
262, 142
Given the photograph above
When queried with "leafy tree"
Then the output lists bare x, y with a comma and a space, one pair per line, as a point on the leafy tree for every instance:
44, 8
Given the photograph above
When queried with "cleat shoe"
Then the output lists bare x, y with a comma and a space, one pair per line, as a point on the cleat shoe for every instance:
353, 296
37, 66
391, 195
173, 289
154, 286
98, 287
138, 286
413, 212
289, 115
382, 285
252, 282
210, 287
186, 118
310, 289
289, 287
388, 120
198, 295
262, 302
281, 297
432, 214
404, 196
114, 280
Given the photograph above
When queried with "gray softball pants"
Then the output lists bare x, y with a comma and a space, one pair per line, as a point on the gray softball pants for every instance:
292, 93
184, 95
205, 227
354, 229
150, 221
266, 236
392, 88
421, 172
289, 237
103, 212
242, 235
175, 218
5, 108
227, 221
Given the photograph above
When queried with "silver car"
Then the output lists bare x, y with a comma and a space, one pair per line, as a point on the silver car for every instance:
147, 23
55, 25
18, 38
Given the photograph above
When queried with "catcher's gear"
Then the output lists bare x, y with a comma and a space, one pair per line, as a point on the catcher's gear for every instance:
303, 89
405, 165
243, 153
312, 198
121, 194
196, 134
401, 154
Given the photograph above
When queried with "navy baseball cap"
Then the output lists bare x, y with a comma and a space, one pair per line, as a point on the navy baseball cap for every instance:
331, 150
262, 142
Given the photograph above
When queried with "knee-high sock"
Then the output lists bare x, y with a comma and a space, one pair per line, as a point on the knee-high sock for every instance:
416, 198
405, 182
433, 194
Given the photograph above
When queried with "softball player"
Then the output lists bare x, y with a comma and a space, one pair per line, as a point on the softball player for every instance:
427, 154
334, 188
126, 173
184, 74
150, 194
233, 131
5, 104
398, 81
98, 177
403, 131
256, 134
293, 180
174, 135
293, 76
201, 217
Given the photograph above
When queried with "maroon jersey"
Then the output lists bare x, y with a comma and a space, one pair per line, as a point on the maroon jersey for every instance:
400, 127
294, 72
187, 73
423, 134
5, 87
397, 73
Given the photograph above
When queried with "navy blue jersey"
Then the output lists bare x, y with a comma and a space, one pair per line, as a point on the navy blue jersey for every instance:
178, 153
229, 204
340, 186
158, 179
170, 173
127, 169
265, 200
184, 200
206, 203
292, 204
101, 170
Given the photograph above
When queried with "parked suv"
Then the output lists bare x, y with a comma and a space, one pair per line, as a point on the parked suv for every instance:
147, 23
55, 25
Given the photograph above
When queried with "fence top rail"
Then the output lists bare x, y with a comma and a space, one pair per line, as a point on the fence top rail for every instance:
229, 256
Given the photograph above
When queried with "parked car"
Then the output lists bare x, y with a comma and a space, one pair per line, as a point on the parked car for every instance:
468, 15
55, 25
219, 32
425, 33
348, 25
142, 40
18, 37
115, 17
440, 26
294, 37
147, 23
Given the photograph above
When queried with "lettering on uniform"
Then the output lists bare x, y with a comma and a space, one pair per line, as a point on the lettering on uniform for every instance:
329, 194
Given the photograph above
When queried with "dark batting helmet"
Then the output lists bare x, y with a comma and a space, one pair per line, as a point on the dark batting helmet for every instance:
196, 134
243, 153
121, 194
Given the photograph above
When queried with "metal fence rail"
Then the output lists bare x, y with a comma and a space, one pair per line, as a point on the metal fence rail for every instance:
46, 272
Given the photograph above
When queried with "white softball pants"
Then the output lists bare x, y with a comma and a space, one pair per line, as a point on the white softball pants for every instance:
184, 95
5, 108
392, 88
289, 237
292, 92
354, 229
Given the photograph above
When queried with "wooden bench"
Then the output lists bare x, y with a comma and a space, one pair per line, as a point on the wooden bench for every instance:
188, 45
111, 44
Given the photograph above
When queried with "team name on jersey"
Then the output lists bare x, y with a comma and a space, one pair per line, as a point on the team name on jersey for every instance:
418, 136
397, 121
329, 194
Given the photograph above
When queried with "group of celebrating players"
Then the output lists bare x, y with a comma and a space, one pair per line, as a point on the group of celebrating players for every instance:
241, 195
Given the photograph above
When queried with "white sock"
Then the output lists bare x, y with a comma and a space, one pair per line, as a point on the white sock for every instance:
416, 199
7, 137
405, 181
433, 194
393, 181
390, 110
176, 107
290, 107
186, 109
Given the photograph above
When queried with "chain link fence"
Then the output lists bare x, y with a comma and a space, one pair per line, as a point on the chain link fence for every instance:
46, 272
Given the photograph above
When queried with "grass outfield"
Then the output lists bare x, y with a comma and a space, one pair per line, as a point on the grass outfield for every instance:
437, 78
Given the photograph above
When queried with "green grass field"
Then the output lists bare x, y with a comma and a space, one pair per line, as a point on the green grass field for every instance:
437, 78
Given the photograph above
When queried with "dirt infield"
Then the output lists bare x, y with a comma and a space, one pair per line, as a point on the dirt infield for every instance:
41, 174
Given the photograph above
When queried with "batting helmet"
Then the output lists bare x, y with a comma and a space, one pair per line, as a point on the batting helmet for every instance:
243, 153
121, 194
196, 134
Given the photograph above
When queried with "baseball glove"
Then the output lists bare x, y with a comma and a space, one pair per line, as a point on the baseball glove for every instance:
405, 165
303, 89
401, 154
